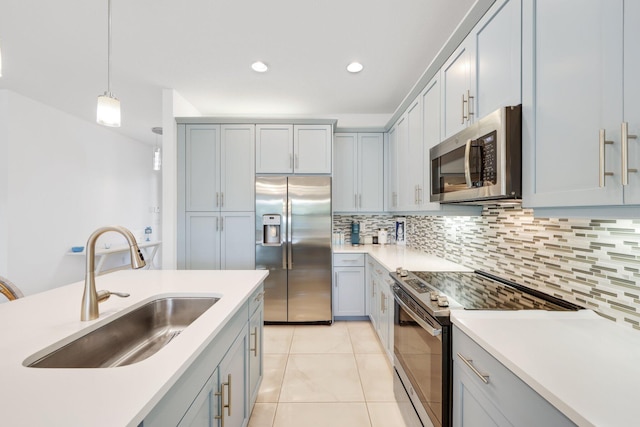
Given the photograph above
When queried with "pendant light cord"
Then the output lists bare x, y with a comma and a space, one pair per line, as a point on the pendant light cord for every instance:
109, 47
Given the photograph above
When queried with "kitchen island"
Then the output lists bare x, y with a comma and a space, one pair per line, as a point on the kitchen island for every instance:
121, 396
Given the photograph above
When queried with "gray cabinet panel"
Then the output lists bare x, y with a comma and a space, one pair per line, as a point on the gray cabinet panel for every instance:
202, 170
237, 168
202, 241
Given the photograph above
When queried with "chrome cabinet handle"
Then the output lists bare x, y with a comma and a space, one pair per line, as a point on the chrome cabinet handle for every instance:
254, 334
467, 163
228, 405
217, 223
602, 173
394, 199
484, 378
360, 200
335, 275
222, 405
291, 160
259, 296
469, 103
463, 115
217, 199
355, 200
222, 199
381, 302
625, 152
297, 161
221, 223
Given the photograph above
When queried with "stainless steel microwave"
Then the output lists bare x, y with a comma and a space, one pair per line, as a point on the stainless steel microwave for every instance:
481, 163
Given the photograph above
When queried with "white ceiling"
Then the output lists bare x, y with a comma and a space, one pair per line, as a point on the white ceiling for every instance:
55, 52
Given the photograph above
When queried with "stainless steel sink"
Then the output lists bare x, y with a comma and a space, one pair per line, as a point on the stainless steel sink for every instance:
130, 338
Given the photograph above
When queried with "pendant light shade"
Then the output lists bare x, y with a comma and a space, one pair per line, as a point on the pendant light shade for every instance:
157, 153
108, 111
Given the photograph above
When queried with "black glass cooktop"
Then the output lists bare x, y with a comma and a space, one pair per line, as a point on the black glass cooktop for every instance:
482, 291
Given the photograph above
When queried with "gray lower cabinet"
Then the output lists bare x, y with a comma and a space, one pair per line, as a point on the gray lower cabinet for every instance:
221, 385
380, 303
256, 364
486, 393
348, 285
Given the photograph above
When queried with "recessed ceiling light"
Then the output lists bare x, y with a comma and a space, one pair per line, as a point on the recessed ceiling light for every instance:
355, 67
259, 67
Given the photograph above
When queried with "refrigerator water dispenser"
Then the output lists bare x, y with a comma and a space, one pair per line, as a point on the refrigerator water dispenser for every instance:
271, 229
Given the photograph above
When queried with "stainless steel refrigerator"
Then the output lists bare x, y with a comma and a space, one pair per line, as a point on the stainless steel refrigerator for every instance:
293, 242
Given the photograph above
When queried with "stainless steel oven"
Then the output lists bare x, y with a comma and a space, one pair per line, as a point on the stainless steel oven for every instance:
480, 163
422, 349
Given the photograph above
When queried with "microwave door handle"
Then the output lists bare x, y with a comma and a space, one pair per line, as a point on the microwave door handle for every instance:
467, 161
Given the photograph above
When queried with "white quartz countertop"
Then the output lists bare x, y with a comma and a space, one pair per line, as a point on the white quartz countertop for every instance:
394, 256
120, 396
586, 366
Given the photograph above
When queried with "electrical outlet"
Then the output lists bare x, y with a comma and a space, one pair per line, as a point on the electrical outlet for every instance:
154, 209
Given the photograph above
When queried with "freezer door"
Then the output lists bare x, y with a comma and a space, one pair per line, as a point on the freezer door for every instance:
271, 198
309, 238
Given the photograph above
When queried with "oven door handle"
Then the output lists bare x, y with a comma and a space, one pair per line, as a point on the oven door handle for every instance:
467, 163
433, 331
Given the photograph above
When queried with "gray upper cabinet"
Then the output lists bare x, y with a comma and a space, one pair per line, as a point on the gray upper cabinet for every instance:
312, 149
201, 167
274, 149
392, 178
580, 95
237, 170
484, 73
219, 168
358, 172
286, 149
431, 122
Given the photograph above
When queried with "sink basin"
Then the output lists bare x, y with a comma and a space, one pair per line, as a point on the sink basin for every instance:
130, 338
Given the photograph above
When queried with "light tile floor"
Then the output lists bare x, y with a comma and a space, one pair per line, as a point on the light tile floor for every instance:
318, 376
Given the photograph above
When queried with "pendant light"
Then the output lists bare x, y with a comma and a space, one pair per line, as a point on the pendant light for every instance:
157, 154
108, 111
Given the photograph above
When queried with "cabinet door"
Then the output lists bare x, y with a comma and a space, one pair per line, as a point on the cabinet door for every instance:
631, 95
344, 172
202, 241
370, 172
405, 193
234, 383
573, 92
202, 158
415, 155
456, 89
312, 148
498, 42
274, 148
255, 354
392, 180
237, 190
348, 287
430, 136
471, 407
204, 409
237, 251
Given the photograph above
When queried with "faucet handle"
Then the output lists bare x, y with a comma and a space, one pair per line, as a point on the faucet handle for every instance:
104, 295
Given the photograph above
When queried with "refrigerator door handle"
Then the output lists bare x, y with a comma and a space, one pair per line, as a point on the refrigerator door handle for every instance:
284, 255
289, 235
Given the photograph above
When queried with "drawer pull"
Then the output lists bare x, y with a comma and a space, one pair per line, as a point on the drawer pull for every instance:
484, 378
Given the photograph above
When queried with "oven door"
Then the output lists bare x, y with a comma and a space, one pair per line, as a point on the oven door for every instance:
422, 360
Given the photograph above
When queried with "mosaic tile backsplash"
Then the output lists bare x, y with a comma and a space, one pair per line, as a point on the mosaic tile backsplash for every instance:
591, 262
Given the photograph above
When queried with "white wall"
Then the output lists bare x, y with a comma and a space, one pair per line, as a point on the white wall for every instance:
65, 177
173, 105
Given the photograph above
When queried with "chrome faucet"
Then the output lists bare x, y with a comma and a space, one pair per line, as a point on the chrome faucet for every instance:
91, 298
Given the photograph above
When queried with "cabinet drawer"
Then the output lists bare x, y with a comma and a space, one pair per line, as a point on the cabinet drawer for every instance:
256, 299
504, 392
348, 260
